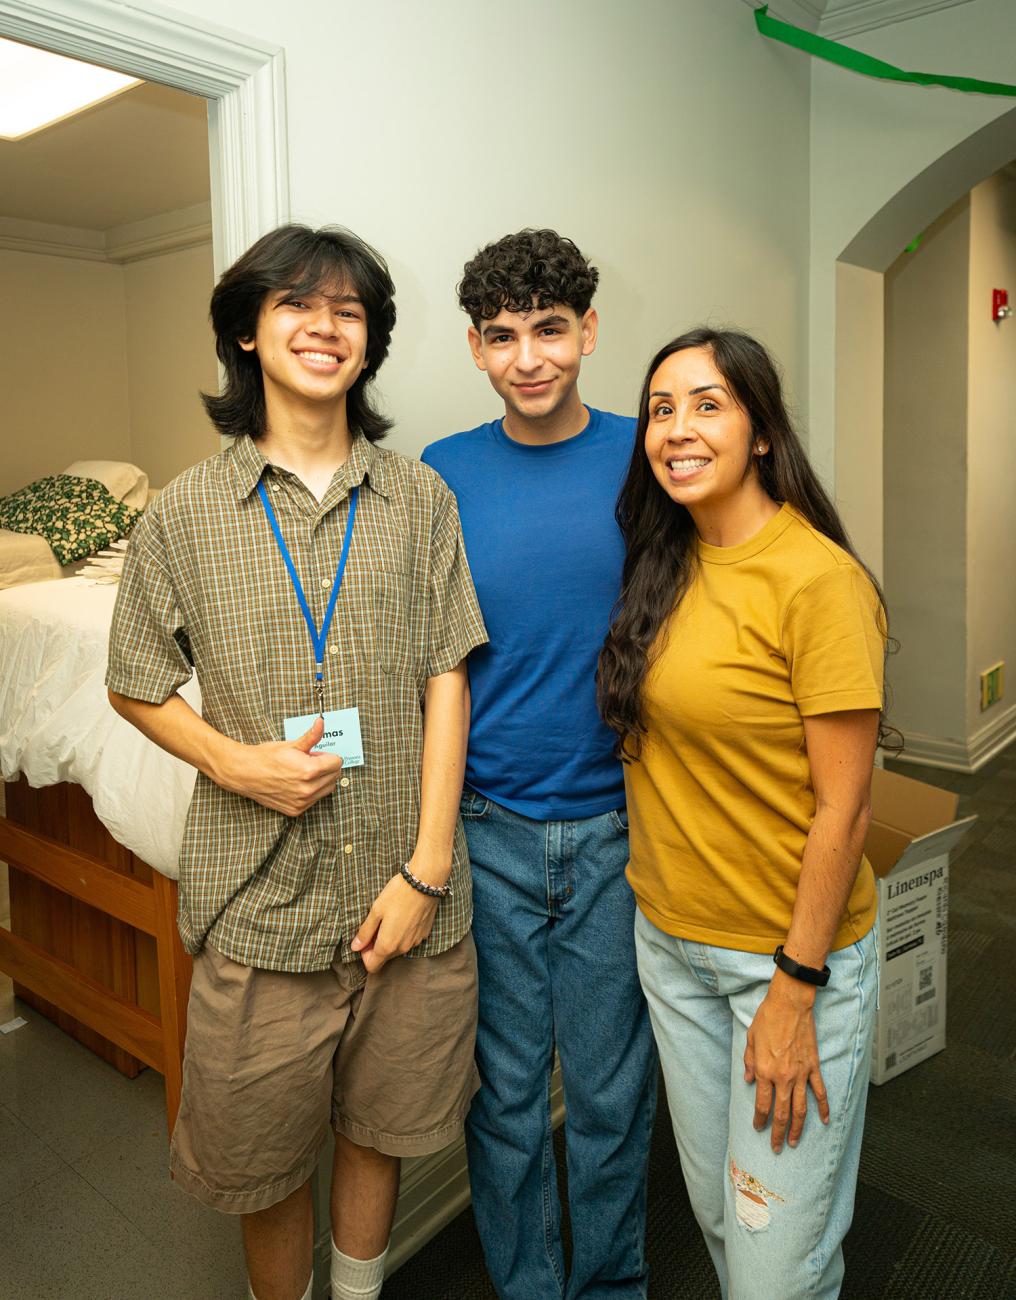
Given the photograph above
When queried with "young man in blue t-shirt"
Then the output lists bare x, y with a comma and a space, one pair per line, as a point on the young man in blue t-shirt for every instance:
543, 805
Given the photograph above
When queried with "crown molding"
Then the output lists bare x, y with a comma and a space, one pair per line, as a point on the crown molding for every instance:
802, 13
853, 16
169, 232
49, 240
836, 18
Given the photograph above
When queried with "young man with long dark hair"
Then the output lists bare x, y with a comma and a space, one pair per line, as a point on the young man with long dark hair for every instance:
318, 586
743, 678
543, 804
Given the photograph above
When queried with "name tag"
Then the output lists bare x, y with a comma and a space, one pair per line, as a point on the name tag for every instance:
342, 734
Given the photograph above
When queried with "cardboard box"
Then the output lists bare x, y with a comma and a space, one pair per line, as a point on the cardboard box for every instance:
913, 831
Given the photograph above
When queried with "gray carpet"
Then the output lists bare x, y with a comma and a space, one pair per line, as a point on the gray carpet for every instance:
936, 1201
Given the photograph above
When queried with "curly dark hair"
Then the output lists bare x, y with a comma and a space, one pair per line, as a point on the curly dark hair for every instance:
302, 261
511, 273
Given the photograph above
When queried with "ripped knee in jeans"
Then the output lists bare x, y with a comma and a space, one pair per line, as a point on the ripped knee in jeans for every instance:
751, 1199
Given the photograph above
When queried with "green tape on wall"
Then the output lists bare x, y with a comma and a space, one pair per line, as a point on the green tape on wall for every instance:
855, 61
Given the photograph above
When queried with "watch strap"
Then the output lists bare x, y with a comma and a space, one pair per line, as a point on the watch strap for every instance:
806, 974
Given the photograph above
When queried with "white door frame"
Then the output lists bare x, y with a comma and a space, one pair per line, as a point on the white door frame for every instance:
242, 79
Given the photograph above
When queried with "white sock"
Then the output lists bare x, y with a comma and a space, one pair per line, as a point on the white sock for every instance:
306, 1295
356, 1279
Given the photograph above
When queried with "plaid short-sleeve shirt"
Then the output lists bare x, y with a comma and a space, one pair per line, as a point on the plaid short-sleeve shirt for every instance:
205, 586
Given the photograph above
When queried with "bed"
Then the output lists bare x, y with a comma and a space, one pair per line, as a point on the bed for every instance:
91, 833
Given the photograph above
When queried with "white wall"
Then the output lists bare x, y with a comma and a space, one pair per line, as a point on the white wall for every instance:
870, 138
950, 471
170, 359
926, 481
63, 388
667, 139
991, 459
860, 367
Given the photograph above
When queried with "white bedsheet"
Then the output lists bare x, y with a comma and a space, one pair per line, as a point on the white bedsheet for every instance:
56, 723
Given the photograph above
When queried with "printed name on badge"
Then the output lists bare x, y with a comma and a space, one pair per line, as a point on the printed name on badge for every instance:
342, 734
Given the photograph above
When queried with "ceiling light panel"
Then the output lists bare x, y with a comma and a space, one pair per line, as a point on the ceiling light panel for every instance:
38, 89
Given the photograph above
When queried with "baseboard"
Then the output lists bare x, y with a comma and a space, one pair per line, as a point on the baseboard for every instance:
993, 738
433, 1191
962, 756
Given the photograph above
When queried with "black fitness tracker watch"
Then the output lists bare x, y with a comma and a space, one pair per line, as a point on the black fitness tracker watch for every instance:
807, 974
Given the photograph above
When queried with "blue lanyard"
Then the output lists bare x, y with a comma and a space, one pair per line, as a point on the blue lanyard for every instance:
318, 639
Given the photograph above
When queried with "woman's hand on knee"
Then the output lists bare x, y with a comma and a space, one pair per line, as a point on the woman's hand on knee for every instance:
782, 1061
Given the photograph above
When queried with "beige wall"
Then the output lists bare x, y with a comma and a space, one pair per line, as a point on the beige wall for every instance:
170, 359
860, 367
63, 386
991, 423
667, 139
926, 479
104, 362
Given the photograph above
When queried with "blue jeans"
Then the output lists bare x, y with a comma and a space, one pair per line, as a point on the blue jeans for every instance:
774, 1224
552, 922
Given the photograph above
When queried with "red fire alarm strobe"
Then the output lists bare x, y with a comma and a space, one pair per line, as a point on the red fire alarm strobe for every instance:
1000, 308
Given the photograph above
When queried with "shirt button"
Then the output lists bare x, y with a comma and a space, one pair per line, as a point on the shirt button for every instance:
325, 583
348, 848
333, 649
344, 781
275, 487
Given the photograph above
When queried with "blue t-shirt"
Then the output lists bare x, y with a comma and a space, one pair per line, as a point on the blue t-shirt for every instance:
545, 554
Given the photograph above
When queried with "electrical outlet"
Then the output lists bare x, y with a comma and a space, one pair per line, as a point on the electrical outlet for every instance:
992, 685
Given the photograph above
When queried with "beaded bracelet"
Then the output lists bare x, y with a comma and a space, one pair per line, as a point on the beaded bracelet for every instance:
432, 891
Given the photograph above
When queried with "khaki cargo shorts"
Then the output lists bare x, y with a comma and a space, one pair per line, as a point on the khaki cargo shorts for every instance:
272, 1055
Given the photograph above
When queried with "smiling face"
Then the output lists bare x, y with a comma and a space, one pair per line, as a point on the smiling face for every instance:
698, 439
311, 348
532, 358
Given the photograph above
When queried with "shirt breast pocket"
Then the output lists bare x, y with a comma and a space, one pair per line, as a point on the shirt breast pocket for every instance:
392, 623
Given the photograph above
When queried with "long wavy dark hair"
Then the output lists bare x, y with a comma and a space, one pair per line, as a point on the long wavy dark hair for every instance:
302, 261
660, 536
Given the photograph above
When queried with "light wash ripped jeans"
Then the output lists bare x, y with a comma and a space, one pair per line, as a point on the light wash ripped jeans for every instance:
774, 1224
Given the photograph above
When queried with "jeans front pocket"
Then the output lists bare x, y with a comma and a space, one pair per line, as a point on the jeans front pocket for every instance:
473, 807
619, 819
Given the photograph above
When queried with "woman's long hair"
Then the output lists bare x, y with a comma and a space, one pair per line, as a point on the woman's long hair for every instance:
660, 536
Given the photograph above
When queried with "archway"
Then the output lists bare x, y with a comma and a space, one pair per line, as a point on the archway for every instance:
947, 729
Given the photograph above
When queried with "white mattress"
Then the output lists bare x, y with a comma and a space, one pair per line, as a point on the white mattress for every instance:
56, 723
24, 557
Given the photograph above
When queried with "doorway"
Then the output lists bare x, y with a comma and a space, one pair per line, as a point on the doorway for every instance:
242, 79
916, 559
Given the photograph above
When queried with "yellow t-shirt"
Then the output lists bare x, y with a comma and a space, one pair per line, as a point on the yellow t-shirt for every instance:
781, 627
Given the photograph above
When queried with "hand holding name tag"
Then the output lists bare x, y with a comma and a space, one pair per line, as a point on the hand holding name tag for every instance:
284, 775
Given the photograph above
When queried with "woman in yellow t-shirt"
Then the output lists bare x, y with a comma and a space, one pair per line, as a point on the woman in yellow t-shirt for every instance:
743, 676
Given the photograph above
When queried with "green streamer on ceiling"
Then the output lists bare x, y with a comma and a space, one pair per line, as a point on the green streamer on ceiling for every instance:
855, 61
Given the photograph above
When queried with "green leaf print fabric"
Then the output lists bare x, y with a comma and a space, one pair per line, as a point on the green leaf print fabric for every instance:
77, 516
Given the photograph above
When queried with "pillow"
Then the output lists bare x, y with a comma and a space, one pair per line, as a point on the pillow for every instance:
77, 516
127, 483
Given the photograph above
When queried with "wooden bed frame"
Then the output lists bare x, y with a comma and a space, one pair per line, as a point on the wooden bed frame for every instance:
93, 942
